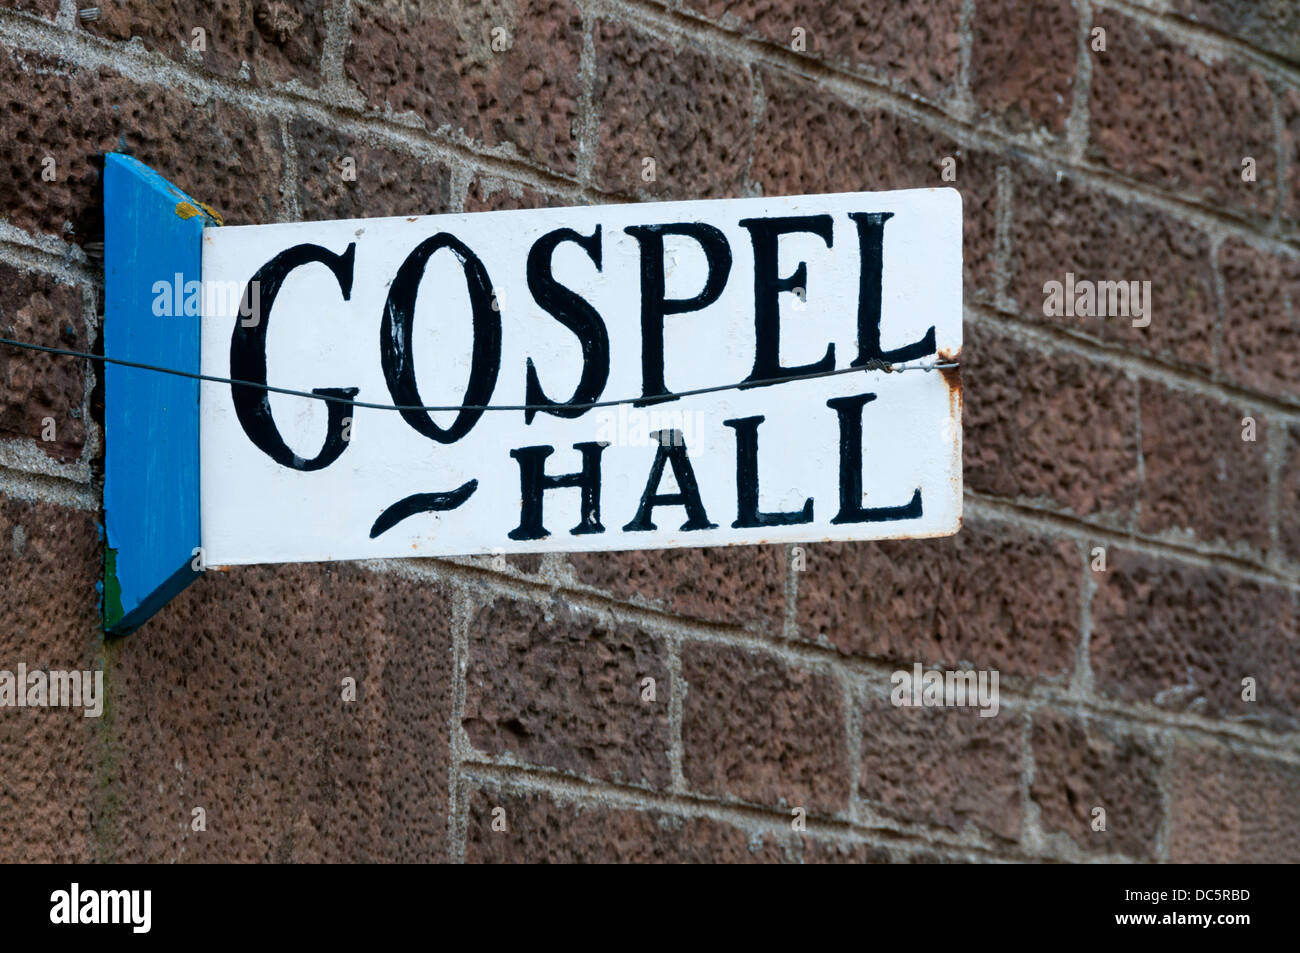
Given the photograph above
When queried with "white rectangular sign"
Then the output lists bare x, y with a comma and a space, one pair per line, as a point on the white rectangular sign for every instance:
559, 308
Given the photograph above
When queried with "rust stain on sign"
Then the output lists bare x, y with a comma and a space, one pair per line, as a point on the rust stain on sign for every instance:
952, 378
951, 375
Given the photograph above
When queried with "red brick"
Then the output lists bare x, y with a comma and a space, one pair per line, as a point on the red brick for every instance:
218, 154
1082, 764
1289, 102
755, 729
683, 107
993, 596
438, 62
1052, 427
541, 829
276, 40
945, 767
1023, 60
1199, 475
1233, 808
914, 44
1162, 115
49, 561
1183, 636
1261, 318
736, 585
1061, 226
551, 686
1289, 497
384, 183
45, 8
808, 141
1272, 25
488, 194
44, 310
410, 760
231, 699
840, 852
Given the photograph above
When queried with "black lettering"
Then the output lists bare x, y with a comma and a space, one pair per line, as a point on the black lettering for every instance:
576, 314
851, 508
533, 482
672, 449
654, 306
871, 233
248, 359
763, 234
748, 515
395, 336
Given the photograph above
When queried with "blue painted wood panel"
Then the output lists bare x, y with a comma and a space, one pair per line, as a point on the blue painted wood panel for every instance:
152, 238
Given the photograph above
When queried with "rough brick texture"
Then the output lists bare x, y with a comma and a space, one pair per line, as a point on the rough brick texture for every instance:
1082, 765
549, 686
1023, 60
216, 707
1289, 497
1261, 318
1165, 116
1272, 25
1184, 637
540, 829
1201, 475
945, 767
490, 194
53, 110
49, 757
1048, 427
1161, 686
273, 41
1233, 808
45, 8
502, 74
994, 596
1290, 106
343, 177
738, 585
758, 730
42, 396
686, 112
1061, 227
914, 44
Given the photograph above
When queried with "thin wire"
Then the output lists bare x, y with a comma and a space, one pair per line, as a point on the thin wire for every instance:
870, 366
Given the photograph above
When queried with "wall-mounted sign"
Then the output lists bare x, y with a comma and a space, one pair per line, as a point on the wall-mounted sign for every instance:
606, 330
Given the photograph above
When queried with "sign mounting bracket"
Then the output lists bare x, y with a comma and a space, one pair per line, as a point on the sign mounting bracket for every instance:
153, 234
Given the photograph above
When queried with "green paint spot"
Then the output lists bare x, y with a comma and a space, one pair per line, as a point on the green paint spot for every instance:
112, 590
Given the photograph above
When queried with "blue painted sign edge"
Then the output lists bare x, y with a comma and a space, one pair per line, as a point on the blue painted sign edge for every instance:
153, 235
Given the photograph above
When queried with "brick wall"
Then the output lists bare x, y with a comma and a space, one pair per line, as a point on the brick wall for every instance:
514, 691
